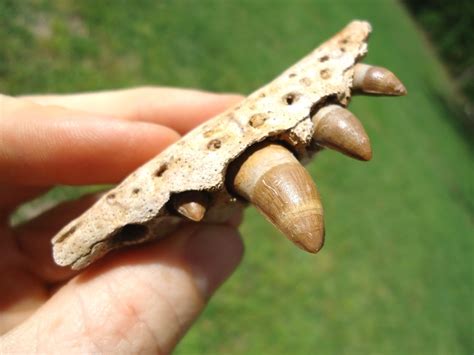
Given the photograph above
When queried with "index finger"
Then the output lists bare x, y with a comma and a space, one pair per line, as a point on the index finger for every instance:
178, 109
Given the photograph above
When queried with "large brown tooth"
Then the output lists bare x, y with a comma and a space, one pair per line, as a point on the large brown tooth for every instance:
191, 204
377, 80
338, 129
277, 184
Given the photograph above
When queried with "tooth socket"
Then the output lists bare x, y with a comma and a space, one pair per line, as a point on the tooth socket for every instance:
277, 184
377, 80
337, 128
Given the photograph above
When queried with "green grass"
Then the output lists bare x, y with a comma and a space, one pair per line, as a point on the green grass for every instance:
396, 274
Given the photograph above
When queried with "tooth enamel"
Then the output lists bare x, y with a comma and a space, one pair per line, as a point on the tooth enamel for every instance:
191, 205
377, 80
337, 128
282, 190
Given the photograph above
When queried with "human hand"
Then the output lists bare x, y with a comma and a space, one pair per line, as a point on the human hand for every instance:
139, 300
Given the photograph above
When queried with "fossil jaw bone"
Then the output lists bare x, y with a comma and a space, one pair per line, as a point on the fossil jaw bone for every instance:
337, 128
200, 160
278, 185
377, 80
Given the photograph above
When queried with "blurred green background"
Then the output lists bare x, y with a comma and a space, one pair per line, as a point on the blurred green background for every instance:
449, 25
396, 274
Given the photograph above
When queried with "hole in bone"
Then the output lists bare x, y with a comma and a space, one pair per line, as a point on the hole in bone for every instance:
291, 98
214, 144
257, 120
66, 234
292, 75
136, 191
305, 81
325, 74
324, 58
130, 233
161, 170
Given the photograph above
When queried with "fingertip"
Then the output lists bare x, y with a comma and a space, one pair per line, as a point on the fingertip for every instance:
232, 97
183, 109
222, 101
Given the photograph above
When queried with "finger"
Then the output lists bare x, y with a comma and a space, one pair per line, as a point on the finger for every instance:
20, 295
46, 145
140, 301
34, 239
12, 196
236, 218
179, 109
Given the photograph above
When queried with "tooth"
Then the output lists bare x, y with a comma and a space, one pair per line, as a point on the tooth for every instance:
191, 204
281, 188
338, 129
377, 80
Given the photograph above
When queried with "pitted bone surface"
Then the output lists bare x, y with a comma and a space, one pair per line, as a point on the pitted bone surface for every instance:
198, 162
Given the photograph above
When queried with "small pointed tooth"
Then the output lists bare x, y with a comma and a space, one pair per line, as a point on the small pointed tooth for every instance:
377, 80
191, 204
192, 210
280, 187
337, 128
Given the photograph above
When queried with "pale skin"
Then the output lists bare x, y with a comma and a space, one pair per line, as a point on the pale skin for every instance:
140, 300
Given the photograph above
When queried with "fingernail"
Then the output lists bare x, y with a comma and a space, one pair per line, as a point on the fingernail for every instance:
212, 254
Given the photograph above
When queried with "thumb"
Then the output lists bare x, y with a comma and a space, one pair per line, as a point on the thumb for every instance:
143, 300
